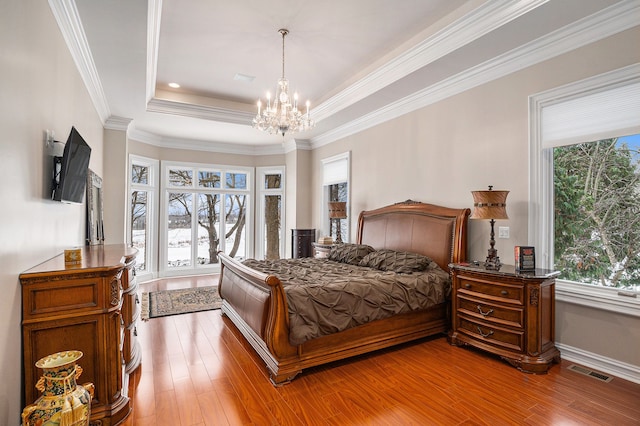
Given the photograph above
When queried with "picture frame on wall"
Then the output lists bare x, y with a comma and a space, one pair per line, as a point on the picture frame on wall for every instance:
95, 225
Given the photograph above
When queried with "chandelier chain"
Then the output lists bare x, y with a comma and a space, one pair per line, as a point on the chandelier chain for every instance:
284, 33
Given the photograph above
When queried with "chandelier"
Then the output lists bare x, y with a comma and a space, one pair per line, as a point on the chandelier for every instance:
282, 115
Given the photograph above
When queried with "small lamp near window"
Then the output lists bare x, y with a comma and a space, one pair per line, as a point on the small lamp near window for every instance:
337, 211
490, 205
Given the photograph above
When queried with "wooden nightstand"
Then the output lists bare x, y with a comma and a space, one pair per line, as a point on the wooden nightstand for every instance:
508, 313
321, 251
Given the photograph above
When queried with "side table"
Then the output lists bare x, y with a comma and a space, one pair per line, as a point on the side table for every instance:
508, 313
321, 251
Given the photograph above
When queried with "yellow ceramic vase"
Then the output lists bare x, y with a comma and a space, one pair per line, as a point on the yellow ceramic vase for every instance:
63, 402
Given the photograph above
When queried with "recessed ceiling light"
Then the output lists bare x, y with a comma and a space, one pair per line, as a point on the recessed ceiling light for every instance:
174, 85
243, 77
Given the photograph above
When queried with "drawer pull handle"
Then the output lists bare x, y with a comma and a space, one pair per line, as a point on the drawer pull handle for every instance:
467, 285
504, 293
484, 314
484, 334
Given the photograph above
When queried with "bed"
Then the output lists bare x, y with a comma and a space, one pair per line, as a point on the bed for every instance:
257, 304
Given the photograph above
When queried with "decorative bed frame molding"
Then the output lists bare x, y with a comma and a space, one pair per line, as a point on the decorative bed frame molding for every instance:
256, 303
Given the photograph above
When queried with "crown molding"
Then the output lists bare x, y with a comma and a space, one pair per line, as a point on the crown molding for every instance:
154, 14
610, 21
472, 26
68, 19
201, 145
199, 111
117, 123
296, 145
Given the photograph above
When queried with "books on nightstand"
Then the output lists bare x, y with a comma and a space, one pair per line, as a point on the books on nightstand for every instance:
525, 257
325, 241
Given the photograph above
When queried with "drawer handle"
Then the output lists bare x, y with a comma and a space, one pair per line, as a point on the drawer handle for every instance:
483, 334
467, 285
484, 314
504, 293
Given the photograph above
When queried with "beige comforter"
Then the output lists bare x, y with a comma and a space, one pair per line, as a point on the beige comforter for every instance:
326, 297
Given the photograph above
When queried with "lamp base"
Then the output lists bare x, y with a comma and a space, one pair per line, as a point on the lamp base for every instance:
338, 233
492, 262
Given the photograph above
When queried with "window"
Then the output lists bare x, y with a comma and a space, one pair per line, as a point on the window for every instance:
335, 181
205, 211
597, 212
143, 173
270, 203
605, 106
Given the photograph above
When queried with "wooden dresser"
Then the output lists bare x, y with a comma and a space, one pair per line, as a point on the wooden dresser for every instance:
92, 307
507, 313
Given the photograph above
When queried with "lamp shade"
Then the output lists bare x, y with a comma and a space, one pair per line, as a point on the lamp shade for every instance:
489, 204
337, 210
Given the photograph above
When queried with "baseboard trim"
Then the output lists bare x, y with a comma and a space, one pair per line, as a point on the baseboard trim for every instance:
601, 363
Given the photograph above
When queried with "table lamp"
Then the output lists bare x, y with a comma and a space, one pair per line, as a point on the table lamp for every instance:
490, 205
337, 211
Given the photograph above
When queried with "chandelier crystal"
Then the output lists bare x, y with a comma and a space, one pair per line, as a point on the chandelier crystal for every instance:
282, 115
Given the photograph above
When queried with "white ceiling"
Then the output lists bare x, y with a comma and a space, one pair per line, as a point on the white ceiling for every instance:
350, 58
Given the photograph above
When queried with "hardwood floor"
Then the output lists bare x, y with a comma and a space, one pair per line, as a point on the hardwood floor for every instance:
197, 370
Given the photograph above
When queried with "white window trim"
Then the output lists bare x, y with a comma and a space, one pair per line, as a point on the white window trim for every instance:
327, 162
152, 207
261, 192
165, 189
541, 191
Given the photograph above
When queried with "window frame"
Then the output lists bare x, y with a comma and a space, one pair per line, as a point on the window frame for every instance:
152, 207
261, 192
327, 163
541, 191
195, 189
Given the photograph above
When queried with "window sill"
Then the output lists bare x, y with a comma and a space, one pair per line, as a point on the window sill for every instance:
606, 299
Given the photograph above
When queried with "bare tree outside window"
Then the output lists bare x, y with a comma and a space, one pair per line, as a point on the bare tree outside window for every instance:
208, 216
179, 229
235, 219
272, 217
138, 214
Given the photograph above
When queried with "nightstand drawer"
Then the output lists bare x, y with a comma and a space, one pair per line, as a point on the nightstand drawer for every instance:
491, 334
500, 292
480, 309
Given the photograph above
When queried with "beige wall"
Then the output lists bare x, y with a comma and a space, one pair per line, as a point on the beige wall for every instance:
41, 89
442, 152
297, 196
115, 186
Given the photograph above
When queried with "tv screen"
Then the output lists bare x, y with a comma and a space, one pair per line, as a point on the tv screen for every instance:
71, 170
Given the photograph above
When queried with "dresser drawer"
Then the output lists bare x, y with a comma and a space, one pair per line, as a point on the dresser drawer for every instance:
501, 292
491, 334
482, 310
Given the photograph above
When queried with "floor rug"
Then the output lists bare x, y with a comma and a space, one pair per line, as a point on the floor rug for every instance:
163, 303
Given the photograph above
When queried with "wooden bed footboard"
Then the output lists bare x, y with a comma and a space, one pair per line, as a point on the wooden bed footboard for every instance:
255, 302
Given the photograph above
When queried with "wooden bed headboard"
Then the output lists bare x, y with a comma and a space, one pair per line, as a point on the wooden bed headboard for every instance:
434, 231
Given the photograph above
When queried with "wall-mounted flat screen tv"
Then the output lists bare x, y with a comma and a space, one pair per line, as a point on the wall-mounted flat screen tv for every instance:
70, 170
